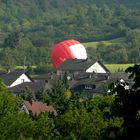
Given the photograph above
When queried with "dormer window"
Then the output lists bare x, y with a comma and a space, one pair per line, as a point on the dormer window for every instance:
88, 87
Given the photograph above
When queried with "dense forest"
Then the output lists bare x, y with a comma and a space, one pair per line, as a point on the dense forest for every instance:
29, 28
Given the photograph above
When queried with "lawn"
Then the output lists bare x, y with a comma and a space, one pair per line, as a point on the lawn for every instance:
106, 43
22, 67
117, 67
112, 67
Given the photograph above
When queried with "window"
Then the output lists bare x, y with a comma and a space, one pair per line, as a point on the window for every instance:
88, 87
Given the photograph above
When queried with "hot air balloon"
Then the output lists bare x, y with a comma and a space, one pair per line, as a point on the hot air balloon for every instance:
68, 49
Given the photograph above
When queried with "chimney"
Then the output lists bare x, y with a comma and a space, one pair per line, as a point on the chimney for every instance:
8, 71
90, 76
31, 102
51, 77
59, 77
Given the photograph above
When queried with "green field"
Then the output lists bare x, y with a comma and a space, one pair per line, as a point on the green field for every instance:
22, 67
117, 67
106, 43
112, 67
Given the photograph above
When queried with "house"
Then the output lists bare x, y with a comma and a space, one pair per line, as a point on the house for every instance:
82, 75
45, 77
96, 84
37, 107
14, 78
85, 65
119, 76
76, 66
34, 87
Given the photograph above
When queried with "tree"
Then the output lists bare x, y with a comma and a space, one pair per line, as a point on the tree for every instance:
13, 122
13, 40
127, 103
8, 102
90, 119
43, 128
60, 96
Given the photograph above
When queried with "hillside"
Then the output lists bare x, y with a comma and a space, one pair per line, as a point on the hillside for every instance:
94, 44
32, 27
85, 20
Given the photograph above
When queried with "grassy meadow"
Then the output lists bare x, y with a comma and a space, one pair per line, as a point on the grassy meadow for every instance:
117, 67
106, 43
112, 67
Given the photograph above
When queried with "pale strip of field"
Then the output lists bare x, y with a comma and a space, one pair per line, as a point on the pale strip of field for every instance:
22, 67
112, 67
106, 43
117, 67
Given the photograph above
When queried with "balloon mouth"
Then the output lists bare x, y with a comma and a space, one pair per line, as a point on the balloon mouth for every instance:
62, 59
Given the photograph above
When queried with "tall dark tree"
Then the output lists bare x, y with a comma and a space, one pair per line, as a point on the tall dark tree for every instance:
127, 103
13, 40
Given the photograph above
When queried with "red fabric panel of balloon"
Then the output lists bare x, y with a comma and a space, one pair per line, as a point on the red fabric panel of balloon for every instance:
66, 50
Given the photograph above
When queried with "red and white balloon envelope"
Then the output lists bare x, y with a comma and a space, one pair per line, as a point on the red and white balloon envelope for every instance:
68, 49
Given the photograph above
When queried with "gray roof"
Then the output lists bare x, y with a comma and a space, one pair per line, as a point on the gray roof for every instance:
85, 75
118, 76
75, 65
9, 78
2, 72
105, 68
78, 65
33, 86
86, 81
100, 86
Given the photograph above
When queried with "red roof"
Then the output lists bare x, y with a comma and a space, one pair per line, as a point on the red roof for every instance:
37, 107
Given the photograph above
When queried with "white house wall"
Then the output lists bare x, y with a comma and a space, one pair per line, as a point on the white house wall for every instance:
97, 68
23, 78
24, 109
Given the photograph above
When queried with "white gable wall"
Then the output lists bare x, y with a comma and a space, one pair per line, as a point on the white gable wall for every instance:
97, 68
23, 78
24, 109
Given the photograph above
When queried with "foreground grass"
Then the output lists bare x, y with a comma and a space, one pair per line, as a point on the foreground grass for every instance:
106, 43
117, 67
